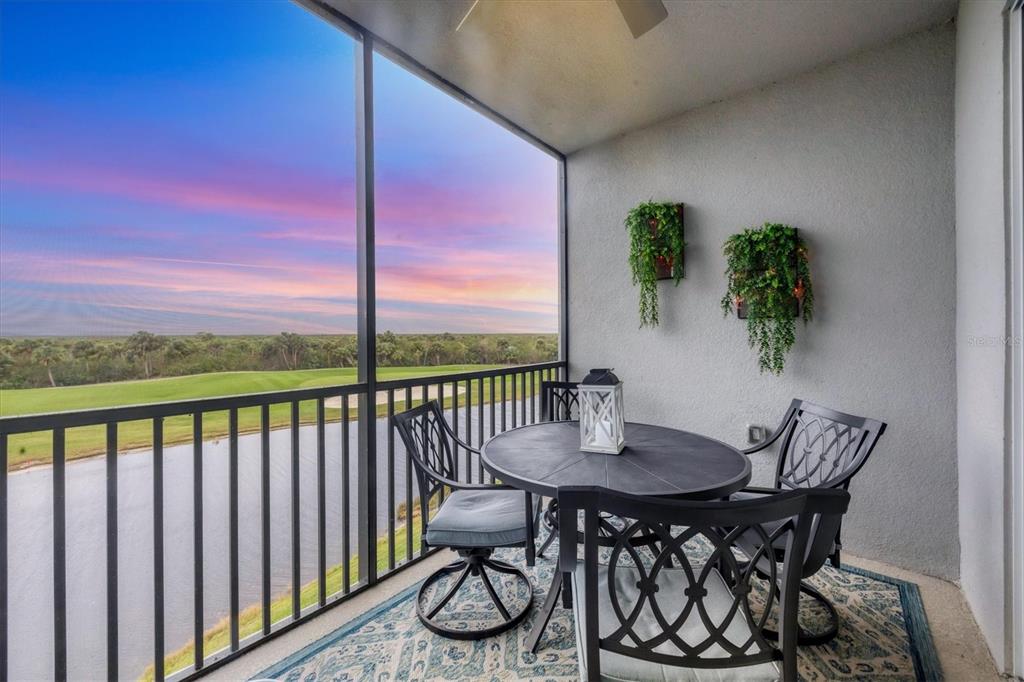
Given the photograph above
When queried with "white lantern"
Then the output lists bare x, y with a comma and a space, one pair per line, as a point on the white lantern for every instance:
602, 427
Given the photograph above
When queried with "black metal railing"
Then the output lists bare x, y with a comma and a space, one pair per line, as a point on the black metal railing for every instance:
477, 404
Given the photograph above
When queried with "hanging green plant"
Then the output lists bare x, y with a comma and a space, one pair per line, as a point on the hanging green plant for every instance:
655, 252
770, 279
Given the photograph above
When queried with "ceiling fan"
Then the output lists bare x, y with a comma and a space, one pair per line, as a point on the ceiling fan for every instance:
640, 15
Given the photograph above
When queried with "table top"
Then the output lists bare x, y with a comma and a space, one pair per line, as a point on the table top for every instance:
657, 460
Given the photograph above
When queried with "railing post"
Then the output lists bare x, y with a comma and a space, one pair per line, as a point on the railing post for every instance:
158, 549
112, 632
233, 526
3, 556
197, 539
60, 616
366, 313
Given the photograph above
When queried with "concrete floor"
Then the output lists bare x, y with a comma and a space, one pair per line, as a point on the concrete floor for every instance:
962, 651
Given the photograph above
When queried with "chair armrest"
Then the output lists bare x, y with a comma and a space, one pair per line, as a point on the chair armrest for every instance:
458, 441
778, 431
458, 485
465, 446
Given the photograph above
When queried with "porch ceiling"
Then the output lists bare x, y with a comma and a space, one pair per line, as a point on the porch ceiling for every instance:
570, 73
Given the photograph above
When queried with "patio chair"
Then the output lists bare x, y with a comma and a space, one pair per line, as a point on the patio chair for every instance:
640, 617
473, 520
821, 448
559, 402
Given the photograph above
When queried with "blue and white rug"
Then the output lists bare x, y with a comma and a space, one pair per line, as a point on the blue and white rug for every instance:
883, 636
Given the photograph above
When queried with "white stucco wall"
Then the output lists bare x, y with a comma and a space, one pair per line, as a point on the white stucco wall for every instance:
981, 314
859, 156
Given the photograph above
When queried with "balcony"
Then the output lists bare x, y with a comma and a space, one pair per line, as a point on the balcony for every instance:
282, 534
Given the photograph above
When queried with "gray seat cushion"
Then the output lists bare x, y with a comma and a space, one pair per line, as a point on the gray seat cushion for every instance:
480, 518
671, 599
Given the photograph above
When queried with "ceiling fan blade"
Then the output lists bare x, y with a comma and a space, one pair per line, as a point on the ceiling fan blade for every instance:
642, 15
466, 15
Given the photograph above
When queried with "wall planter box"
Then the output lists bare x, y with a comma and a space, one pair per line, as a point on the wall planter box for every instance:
667, 267
656, 248
769, 286
743, 307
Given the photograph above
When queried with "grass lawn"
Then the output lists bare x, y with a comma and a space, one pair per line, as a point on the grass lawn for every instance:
35, 448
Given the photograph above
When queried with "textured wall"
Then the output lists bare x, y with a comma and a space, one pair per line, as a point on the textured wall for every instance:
859, 156
981, 314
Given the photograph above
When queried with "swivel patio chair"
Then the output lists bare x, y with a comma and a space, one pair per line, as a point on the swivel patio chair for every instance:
473, 520
693, 618
821, 448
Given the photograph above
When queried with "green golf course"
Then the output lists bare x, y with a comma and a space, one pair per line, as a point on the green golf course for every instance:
36, 448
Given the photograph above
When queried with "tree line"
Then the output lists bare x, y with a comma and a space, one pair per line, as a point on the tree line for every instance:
68, 361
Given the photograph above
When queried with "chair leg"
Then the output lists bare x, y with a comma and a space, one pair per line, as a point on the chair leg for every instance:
547, 543
473, 562
804, 637
451, 590
494, 596
531, 548
550, 515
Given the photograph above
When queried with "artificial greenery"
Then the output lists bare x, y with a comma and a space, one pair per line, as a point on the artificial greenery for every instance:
766, 269
655, 231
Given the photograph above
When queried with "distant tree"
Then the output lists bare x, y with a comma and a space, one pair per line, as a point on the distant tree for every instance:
6, 363
435, 349
179, 349
339, 351
349, 352
84, 350
506, 351
387, 348
48, 354
290, 347
546, 349
143, 346
418, 351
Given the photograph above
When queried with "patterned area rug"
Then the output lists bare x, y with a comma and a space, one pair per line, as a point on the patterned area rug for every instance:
883, 636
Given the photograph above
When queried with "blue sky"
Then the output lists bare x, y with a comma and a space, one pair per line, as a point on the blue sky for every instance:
189, 166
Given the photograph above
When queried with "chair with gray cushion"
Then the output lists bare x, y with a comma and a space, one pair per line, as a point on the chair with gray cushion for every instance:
473, 520
640, 616
820, 448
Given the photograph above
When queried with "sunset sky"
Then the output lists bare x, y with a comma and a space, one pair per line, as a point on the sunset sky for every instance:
189, 166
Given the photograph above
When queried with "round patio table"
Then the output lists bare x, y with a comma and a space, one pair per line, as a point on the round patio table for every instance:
658, 461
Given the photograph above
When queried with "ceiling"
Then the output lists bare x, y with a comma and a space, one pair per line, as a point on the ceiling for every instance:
570, 73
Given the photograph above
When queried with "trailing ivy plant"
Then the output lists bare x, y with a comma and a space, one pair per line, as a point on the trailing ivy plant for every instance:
655, 232
767, 269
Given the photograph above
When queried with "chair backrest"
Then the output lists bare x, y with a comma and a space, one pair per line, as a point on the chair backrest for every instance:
426, 436
695, 539
823, 448
559, 401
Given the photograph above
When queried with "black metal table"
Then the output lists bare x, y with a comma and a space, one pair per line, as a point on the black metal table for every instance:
540, 458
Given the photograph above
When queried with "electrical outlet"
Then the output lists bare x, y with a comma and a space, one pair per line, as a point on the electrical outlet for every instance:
756, 433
